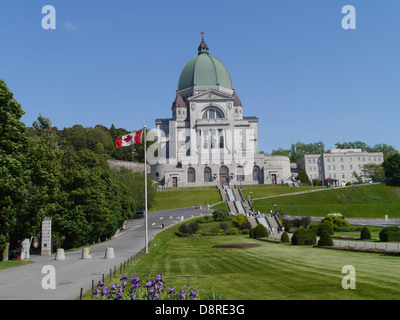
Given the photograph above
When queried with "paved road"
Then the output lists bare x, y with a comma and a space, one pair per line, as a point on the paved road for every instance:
74, 273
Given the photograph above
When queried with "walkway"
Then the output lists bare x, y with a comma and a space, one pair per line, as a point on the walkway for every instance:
73, 273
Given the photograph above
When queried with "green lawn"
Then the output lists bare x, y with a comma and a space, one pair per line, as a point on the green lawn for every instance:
12, 263
365, 201
270, 271
173, 198
267, 190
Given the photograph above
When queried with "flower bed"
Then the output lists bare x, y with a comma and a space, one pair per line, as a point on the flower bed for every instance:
130, 289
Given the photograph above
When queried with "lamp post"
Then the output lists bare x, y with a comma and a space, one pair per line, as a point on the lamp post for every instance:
275, 208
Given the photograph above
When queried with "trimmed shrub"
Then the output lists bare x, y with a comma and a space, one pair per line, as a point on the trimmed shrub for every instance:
325, 239
259, 232
285, 237
325, 226
365, 233
388, 234
304, 237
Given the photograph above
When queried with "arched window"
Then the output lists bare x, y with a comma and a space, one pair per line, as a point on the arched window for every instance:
239, 173
191, 175
256, 173
212, 113
207, 174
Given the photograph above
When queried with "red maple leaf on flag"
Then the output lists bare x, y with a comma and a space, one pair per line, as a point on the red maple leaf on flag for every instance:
128, 138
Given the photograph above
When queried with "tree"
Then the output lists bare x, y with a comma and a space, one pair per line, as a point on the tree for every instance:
13, 174
281, 152
373, 171
303, 177
299, 149
43, 129
392, 169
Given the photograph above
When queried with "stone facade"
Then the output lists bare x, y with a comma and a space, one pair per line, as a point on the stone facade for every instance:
208, 141
338, 164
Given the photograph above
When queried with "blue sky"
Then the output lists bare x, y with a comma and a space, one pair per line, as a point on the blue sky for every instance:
291, 62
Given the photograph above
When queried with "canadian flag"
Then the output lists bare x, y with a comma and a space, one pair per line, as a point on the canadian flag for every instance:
129, 139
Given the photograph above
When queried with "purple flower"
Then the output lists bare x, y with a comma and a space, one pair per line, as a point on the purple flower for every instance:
192, 293
171, 290
155, 296
123, 277
100, 284
96, 291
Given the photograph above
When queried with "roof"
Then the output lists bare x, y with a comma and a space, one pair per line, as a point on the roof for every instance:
204, 70
179, 102
237, 101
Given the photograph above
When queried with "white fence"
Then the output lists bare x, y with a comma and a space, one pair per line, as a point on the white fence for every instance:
368, 245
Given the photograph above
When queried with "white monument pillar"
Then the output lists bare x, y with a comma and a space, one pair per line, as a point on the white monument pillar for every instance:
46, 237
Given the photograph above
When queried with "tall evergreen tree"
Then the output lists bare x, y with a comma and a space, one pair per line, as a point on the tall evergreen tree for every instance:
13, 175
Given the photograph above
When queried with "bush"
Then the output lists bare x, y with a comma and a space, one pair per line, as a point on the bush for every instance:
325, 226
223, 226
220, 215
388, 234
239, 220
296, 223
325, 240
259, 232
192, 228
304, 237
245, 225
285, 237
338, 222
365, 233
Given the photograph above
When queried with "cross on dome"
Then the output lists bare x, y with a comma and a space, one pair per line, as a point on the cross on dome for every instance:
203, 48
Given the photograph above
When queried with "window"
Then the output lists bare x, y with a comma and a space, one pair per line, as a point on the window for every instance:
221, 142
239, 173
329, 167
207, 174
191, 175
256, 173
212, 113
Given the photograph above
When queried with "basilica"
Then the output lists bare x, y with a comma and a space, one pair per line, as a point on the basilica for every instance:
208, 141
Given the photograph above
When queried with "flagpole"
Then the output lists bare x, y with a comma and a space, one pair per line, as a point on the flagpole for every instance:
145, 191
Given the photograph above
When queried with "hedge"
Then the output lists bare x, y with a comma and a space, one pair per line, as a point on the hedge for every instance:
388, 234
304, 237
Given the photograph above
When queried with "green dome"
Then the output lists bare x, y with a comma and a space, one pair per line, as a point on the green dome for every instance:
204, 70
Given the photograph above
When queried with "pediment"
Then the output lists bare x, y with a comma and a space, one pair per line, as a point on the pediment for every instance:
211, 95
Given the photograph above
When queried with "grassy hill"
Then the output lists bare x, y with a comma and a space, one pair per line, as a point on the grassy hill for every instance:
173, 198
363, 201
